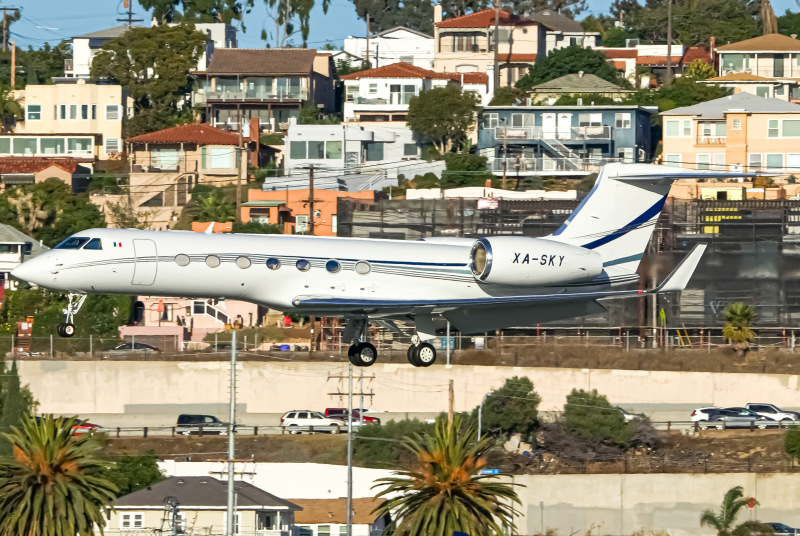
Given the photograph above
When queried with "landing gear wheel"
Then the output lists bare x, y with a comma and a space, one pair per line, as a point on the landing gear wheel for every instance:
426, 354
412, 356
65, 330
362, 354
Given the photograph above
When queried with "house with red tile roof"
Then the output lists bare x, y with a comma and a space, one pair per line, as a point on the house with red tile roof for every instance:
383, 93
466, 44
766, 66
19, 171
648, 63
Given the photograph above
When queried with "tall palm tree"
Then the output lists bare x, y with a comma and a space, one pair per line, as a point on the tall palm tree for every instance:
10, 109
738, 319
53, 486
445, 492
723, 522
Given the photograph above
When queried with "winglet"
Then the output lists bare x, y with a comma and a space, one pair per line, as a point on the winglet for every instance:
682, 273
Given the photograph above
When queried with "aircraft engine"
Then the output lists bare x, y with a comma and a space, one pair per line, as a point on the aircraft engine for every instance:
525, 261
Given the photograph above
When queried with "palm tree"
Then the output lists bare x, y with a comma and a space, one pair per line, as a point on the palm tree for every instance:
215, 206
738, 318
723, 522
445, 492
10, 109
54, 485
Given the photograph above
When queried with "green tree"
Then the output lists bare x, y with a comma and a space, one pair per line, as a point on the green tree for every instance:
54, 484
254, 227
589, 416
10, 109
569, 60
791, 443
226, 11
311, 115
511, 409
14, 407
381, 447
724, 521
154, 65
444, 492
789, 23
215, 206
132, 473
123, 216
464, 169
682, 92
507, 96
442, 115
699, 70
286, 11
738, 319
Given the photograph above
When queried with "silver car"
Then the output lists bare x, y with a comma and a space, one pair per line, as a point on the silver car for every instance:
735, 418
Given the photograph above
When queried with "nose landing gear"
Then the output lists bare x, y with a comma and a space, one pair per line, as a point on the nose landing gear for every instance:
67, 329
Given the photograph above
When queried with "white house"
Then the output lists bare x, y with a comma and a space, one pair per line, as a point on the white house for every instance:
383, 93
15, 247
563, 31
393, 46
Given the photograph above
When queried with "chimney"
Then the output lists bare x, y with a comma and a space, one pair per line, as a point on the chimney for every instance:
437, 13
580, 74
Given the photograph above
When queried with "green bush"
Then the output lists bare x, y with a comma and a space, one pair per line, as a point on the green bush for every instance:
590, 416
380, 446
791, 443
514, 408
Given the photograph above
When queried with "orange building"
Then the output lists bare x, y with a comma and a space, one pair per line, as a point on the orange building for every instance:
290, 209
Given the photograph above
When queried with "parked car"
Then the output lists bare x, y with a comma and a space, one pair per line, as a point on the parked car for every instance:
305, 420
131, 348
190, 424
341, 414
84, 428
702, 414
628, 416
735, 418
782, 530
773, 412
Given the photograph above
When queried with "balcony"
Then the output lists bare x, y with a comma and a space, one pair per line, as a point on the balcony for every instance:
564, 134
258, 94
543, 166
711, 140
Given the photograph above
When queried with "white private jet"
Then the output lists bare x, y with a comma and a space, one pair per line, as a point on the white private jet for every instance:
477, 284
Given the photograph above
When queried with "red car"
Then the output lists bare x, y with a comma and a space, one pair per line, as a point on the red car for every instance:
84, 428
341, 413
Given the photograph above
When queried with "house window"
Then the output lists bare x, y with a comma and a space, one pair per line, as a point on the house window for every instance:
351, 93
521, 120
772, 128
687, 127
297, 150
774, 161
762, 91
52, 145
334, 223
221, 157
5, 145
316, 150
736, 124
94, 111
754, 161
790, 128
84, 111
590, 120
672, 128
779, 91
112, 112
489, 120
63, 110
576, 41
373, 89
25, 146
703, 162
622, 120
715, 129
401, 93
333, 150
625, 154
73, 111
465, 43
323, 530
793, 160
33, 112
735, 62
409, 149
718, 161
162, 158
131, 521
113, 145
374, 151
673, 160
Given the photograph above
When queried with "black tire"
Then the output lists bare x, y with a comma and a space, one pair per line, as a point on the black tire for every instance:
68, 330
367, 354
60, 329
412, 356
353, 357
425, 354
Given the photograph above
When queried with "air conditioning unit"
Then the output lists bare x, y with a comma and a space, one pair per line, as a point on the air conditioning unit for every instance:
631, 43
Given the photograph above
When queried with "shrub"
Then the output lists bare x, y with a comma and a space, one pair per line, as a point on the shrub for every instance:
591, 417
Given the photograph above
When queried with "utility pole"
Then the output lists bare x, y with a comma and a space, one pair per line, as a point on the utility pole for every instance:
5, 11
13, 64
242, 166
231, 443
367, 38
452, 398
496, 45
311, 200
129, 20
505, 153
350, 452
668, 81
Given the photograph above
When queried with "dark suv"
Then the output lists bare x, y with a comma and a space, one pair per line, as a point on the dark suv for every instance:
190, 424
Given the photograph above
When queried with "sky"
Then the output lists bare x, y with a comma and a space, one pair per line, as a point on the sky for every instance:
53, 20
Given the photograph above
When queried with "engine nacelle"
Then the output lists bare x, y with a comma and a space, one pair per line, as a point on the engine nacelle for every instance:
523, 261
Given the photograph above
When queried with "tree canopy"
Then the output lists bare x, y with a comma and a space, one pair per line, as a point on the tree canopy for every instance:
590, 416
511, 409
154, 65
569, 60
225, 11
442, 115
789, 23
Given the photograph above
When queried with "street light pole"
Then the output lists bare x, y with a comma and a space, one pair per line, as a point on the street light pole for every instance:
480, 413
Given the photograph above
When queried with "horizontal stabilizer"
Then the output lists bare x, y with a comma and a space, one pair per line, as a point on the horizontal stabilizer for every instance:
680, 276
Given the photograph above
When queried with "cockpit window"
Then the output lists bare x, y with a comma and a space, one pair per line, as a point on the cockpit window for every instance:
74, 242
94, 243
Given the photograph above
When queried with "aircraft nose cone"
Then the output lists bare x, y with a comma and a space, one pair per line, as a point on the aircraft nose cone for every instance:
25, 272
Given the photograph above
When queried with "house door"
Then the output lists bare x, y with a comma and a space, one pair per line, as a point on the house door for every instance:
564, 126
144, 270
549, 126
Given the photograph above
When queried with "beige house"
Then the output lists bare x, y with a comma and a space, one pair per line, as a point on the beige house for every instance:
466, 44
71, 118
198, 505
741, 132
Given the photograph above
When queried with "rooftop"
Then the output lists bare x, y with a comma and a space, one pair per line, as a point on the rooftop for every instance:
402, 28
740, 102
484, 19
407, 70
577, 83
334, 511
108, 33
739, 77
202, 491
198, 133
33, 164
268, 61
12, 235
556, 21
764, 43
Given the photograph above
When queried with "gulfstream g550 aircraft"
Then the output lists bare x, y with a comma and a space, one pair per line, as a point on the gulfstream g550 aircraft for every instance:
477, 284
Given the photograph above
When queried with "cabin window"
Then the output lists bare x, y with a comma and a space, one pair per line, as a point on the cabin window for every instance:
212, 261
94, 243
182, 260
363, 267
303, 265
333, 266
243, 263
72, 243
273, 263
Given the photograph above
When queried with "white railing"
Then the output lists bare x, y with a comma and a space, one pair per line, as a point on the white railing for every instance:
202, 307
540, 133
528, 165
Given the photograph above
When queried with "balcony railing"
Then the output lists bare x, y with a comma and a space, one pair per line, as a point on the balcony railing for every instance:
527, 165
767, 72
711, 140
228, 94
542, 133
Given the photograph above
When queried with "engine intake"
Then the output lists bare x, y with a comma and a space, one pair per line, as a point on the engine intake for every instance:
524, 261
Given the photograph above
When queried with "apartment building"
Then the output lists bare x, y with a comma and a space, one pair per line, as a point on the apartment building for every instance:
383, 93
766, 66
570, 140
563, 31
466, 44
396, 45
71, 118
741, 132
270, 85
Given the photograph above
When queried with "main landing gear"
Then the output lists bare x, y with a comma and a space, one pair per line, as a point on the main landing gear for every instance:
364, 354
67, 329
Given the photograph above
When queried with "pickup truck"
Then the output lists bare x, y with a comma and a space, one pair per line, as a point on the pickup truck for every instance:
341, 413
773, 412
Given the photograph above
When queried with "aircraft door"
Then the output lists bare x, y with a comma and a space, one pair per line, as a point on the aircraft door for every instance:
144, 270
